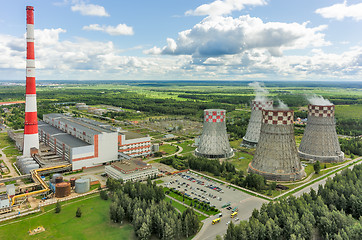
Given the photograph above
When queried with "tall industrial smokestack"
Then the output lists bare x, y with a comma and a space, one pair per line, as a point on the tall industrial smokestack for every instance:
214, 142
31, 139
320, 141
252, 135
276, 156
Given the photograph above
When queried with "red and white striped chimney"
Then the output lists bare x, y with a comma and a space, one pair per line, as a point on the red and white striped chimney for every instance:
31, 139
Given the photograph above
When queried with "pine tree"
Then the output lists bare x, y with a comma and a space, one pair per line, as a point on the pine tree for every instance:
78, 214
58, 207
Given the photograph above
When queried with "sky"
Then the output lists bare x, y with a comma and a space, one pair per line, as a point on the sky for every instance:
313, 40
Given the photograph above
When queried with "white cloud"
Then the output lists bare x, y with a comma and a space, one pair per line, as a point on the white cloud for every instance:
217, 35
223, 7
341, 11
82, 59
120, 29
90, 10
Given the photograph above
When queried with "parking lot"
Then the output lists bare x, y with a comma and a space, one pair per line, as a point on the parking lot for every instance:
222, 197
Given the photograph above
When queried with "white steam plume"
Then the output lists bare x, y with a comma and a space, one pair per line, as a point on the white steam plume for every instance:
260, 92
318, 100
282, 105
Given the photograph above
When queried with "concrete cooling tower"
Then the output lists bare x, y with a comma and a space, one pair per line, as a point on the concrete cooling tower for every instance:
214, 142
276, 157
320, 141
252, 135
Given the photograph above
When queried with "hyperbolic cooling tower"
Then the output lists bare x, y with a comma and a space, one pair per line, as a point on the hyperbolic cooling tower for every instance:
31, 138
276, 156
252, 135
320, 141
214, 142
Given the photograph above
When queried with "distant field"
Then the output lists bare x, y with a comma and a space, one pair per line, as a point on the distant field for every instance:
94, 223
349, 111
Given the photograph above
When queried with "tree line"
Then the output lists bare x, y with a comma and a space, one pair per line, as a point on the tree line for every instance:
351, 146
334, 212
143, 206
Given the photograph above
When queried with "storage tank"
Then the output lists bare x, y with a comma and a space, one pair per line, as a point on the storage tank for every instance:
59, 179
62, 189
72, 182
55, 176
81, 185
88, 179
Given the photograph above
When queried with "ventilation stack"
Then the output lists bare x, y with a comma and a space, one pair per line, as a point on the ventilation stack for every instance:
320, 141
31, 139
276, 157
214, 142
252, 135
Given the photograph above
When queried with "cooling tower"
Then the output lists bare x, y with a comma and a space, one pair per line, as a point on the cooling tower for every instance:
252, 135
214, 142
320, 141
276, 156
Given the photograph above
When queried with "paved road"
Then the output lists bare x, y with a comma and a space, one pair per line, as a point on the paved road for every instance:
7, 162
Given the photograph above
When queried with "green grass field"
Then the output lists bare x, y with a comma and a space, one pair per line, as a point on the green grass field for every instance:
5, 140
349, 111
168, 149
94, 223
186, 146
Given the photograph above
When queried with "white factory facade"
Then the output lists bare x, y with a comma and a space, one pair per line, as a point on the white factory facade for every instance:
86, 143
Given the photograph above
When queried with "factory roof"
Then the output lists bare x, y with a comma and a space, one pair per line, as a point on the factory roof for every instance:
132, 135
131, 166
69, 140
82, 125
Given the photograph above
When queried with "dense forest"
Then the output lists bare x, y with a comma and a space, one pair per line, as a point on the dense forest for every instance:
143, 206
334, 212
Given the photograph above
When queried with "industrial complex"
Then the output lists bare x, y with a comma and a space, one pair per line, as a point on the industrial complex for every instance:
214, 141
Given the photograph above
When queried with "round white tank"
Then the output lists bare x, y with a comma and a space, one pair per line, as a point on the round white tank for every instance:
81, 186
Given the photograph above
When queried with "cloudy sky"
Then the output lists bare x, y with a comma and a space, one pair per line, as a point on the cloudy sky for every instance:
185, 39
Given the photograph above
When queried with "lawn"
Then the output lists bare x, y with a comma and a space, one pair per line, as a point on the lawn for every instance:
168, 149
349, 111
186, 146
5, 140
94, 223
241, 161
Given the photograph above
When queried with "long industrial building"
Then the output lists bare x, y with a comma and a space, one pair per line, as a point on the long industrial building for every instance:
86, 143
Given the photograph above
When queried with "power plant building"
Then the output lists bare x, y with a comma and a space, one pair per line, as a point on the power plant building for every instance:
214, 141
320, 141
276, 157
252, 135
133, 170
87, 143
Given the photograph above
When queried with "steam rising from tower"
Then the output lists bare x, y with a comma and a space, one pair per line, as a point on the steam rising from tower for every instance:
31, 139
214, 142
276, 156
320, 141
261, 102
